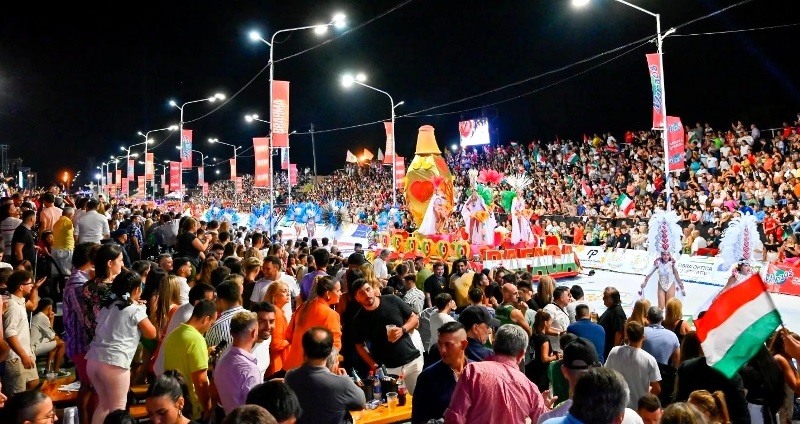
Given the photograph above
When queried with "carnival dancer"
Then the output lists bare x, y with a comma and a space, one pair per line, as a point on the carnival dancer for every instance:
664, 239
738, 246
520, 216
436, 213
311, 226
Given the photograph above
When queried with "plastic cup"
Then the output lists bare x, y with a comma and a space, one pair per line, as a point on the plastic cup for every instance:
391, 400
389, 329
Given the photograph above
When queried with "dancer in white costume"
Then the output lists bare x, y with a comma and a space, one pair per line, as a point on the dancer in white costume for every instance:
738, 246
520, 224
475, 228
664, 239
435, 215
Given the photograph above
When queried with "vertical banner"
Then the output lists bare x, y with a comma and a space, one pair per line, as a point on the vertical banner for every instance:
388, 156
125, 187
118, 177
400, 171
675, 143
186, 148
174, 176
654, 69
292, 174
238, 185
263, 162
205, 189
140, 185
164, 181
284, 159
149, 168
280, 114
131, 169
201, 177
108, 178
233, 168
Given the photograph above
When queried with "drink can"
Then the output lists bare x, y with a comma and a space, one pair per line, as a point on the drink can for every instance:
71, 415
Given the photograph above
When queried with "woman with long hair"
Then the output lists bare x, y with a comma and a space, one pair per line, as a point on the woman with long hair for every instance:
764, 384
711, 405
369, 275
278, 294
682, 413
107, 265
673, 319
790, 375
544, 293
122, 321
536, 370
206, 267
189, 245
314, 313
639, 313
690, 347
169, 300
167, 400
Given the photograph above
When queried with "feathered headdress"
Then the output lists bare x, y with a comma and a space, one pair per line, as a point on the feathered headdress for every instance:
518, 182
473, 177
739, 240
664, 234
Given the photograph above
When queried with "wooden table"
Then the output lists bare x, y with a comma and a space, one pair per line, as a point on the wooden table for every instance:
60, 398
382, 415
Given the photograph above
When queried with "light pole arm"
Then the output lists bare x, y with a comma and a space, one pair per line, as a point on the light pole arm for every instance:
378, 90
639, 8
272, 39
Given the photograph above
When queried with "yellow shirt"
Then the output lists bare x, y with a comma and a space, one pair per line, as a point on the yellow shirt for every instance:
461, 286
185, 350
63, 234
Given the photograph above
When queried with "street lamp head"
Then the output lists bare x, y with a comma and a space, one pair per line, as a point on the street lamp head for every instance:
401, 102
219, 96
134, 155
149, 141
178, 147
122, 148
97, 176
172, 127
172, 103
255, 35
320, 29
347, 80
166, 160
217, 172
140, 133
580, 3
338, 20
250, 118
213, 140
361, 77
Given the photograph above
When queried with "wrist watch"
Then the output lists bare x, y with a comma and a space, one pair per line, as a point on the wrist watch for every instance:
404, 330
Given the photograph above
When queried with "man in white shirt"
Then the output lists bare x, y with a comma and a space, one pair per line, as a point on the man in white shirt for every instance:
271, 271
639, 368
92, 227
8, 225
266, 323
20, 372
380, 267
444, 305
558, 311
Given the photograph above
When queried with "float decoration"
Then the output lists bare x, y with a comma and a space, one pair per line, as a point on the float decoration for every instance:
419, 185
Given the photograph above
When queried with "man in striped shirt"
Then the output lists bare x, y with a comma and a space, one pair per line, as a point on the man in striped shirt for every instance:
229, 302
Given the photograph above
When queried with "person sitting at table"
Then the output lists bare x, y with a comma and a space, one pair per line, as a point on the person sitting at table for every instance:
278, 399
31, 406
326, 398
44, 339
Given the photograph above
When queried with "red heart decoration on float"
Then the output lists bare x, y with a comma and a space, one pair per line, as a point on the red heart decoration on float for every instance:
421, 190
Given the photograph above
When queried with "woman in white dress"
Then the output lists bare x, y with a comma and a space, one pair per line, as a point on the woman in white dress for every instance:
433, 218
667, 271
520, 224
664, 239
475, 228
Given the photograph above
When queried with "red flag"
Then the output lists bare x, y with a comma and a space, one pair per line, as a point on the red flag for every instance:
174, 176
585, 138
389, 150
186, 148
149, 169
675, 143
205, 189
233, 169
400, 170
263, 162
280, 114
654, 68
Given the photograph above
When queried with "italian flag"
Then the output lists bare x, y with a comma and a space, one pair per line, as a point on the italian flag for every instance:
573, 158
625, 203
540, 158
736, 325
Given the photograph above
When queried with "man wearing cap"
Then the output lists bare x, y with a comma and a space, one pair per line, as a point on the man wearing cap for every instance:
580, 355
478, 324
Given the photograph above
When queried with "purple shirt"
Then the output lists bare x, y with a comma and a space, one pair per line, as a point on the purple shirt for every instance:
307, 282
236, 373
74, 311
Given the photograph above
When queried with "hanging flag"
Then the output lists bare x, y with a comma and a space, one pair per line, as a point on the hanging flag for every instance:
675, 143
284, 159
200, 175
387, 158
654, 68
233, 168
587, 191
140, 185
293, 174
174, 176
164, 184
280, 114
736, 325
380, 156
186, 148
572, 158
400, 170
131, 169
205, 189
118, 176
263, 162
586, 138
238, 184
626, 205
149, 168
367, 155
351, 157
108, 178
125, 187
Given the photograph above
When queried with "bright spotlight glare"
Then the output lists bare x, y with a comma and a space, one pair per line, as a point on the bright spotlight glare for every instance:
580, 3
347, 80
361, 77
255, 35
320, 29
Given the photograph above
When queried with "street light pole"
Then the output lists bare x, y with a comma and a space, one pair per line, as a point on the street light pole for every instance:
235, 150
148, 141
659, 47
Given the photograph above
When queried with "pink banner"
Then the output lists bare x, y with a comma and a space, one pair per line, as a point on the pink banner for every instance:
675, 143
200, 175
118, 176
108, 178
186, 148
140, 185
389, 150
238, 184
131, 169
263, 162
233, 169
280, 114
205, 189
125, 187
654, 68
174, 176
293, 174
783, 278
400, 171
149, 168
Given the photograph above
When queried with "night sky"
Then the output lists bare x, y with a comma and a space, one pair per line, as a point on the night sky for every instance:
76, 83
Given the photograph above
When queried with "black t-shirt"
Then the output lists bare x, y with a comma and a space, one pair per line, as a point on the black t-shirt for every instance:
435, 285
23, 235
624, 241
532, 305
185, 248
494, 290
371, 326
397, 283
613, 321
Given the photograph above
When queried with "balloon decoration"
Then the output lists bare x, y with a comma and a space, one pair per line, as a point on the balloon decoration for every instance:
419, 180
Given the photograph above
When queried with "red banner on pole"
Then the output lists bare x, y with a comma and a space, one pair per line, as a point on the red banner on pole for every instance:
174, 176
675, 143
149, 169
108, 178
233, 169
200, 175
186, 148
654, 69
783, 278
205, 189
389, 150
400, 171
293, 174
118, 176
125, 187
280, 114
263, 162
140, 185
238, 184
131, 169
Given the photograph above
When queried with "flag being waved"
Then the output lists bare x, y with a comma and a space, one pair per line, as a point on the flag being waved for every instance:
736, 325
367, 155
351, 157
626, 204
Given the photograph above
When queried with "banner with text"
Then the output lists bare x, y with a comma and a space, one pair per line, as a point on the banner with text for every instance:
675, 143
400, 170
280, 114
118, 176
174, 176
186, 149
149, 167
783, 278
238, 184
233, 169
108, 178
201, 177
389, 151
125, 187
284, 159
293, 174
140, 185
263, 162
131, 170
654, 69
